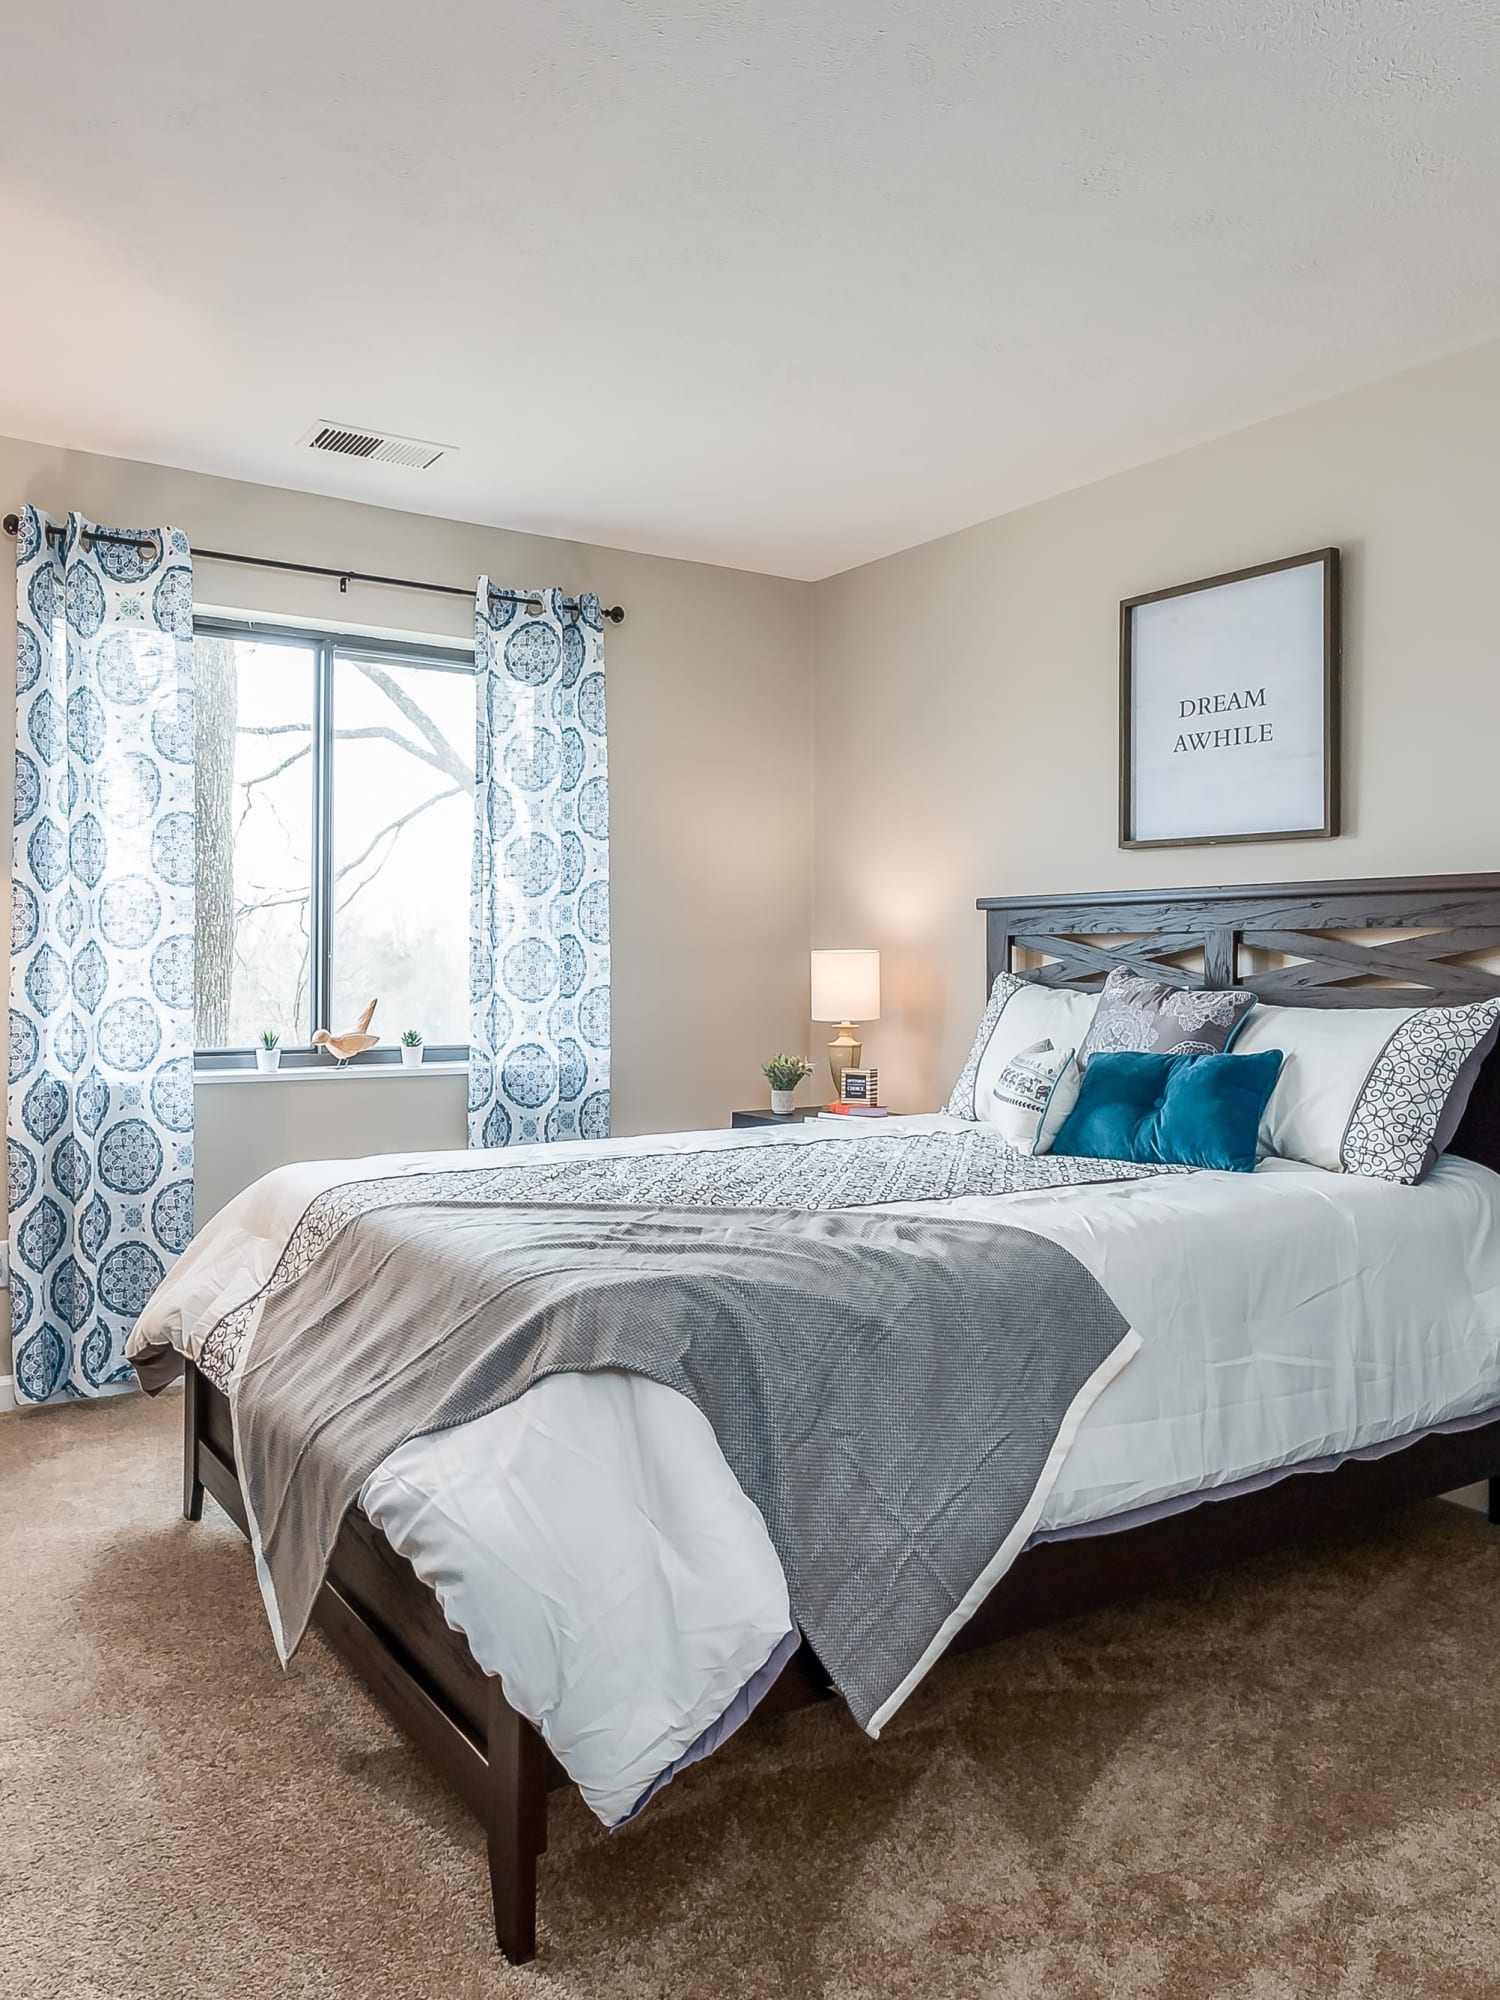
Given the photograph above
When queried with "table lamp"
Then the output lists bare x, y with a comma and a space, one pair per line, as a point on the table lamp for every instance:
846, 989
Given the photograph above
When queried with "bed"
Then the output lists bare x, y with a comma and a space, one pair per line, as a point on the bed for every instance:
1297, 1430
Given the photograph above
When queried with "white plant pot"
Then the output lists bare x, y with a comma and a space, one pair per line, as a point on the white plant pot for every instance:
411, 1058
267, 1060
782, 1102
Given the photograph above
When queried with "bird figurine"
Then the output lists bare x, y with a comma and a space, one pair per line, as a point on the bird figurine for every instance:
353, 1041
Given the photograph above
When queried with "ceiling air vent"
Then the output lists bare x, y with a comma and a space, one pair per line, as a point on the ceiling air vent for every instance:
379, 447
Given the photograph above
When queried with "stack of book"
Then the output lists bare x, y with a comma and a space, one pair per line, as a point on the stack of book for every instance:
854, 1111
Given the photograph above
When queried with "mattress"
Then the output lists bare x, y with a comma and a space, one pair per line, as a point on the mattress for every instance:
595, 1550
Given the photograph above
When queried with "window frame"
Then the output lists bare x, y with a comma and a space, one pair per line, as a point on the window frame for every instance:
326, 646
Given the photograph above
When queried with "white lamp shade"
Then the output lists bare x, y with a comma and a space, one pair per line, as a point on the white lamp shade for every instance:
846, 986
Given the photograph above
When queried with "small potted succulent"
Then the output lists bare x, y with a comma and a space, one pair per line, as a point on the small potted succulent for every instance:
268, 1054
411, 1048
784, 1073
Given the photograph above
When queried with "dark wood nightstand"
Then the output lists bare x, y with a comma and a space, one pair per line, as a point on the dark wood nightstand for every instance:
739, 1119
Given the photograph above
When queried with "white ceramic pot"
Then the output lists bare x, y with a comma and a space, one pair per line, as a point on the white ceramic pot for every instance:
411, 1058
782, 1102
267, 1060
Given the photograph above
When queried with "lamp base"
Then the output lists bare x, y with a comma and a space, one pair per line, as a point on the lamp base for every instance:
843, 1053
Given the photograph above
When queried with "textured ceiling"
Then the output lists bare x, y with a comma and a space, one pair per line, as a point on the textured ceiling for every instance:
781, 285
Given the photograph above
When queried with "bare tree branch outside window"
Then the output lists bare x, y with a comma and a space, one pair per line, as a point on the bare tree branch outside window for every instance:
400, 844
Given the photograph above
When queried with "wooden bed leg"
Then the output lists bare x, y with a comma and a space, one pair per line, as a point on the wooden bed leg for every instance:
515, 1825
1495, 1501
192, 1485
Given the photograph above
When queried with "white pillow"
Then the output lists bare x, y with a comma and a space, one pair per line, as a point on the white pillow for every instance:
1369, 1090
1020, 1014
1033, 1094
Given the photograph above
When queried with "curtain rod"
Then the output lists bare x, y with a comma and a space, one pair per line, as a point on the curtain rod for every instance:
615, 613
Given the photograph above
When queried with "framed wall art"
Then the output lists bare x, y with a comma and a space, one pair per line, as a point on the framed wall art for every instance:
1229, 707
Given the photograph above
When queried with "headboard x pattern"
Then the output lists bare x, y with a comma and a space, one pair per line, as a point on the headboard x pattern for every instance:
1280, 941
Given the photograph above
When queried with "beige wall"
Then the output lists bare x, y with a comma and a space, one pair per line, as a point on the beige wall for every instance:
710, 819
966, 692
246, 1124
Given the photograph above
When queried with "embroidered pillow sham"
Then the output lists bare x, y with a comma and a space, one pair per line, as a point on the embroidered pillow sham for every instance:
1377, 1090
1151, 1017
1034, 1092
1021, 1014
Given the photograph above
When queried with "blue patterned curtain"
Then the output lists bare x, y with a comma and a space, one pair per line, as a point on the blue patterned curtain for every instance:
539, 943
100, 1108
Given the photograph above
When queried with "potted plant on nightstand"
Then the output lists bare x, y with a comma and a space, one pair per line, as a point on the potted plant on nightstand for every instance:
411, 1048
268, 1055
784, 1073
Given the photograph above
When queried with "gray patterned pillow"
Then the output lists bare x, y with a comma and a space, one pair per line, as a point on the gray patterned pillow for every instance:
1149, 1017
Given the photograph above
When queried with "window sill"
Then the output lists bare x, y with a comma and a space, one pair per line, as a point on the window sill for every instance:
330, 1073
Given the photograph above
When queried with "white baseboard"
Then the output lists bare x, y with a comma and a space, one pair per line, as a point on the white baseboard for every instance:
7, 1392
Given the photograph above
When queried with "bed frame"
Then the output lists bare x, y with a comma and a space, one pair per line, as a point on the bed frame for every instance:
385, 1623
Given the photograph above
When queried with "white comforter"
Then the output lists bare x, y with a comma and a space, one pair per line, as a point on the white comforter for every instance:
597, 1553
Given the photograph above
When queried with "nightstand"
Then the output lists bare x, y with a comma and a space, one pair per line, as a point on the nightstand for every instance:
739, 1119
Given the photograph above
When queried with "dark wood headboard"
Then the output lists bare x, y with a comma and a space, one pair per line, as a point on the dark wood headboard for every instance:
1282, 941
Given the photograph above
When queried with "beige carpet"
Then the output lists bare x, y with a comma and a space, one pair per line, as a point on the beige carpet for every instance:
1283, 1781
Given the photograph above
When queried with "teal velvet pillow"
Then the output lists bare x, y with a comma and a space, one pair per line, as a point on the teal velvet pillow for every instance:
1171, 1110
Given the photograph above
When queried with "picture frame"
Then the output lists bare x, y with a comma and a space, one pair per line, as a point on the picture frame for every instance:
1230, 707
859, 1086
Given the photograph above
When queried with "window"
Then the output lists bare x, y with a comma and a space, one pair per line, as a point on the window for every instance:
335, 785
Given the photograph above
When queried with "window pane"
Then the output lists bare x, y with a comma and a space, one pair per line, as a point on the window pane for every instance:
255, 838
403, 825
